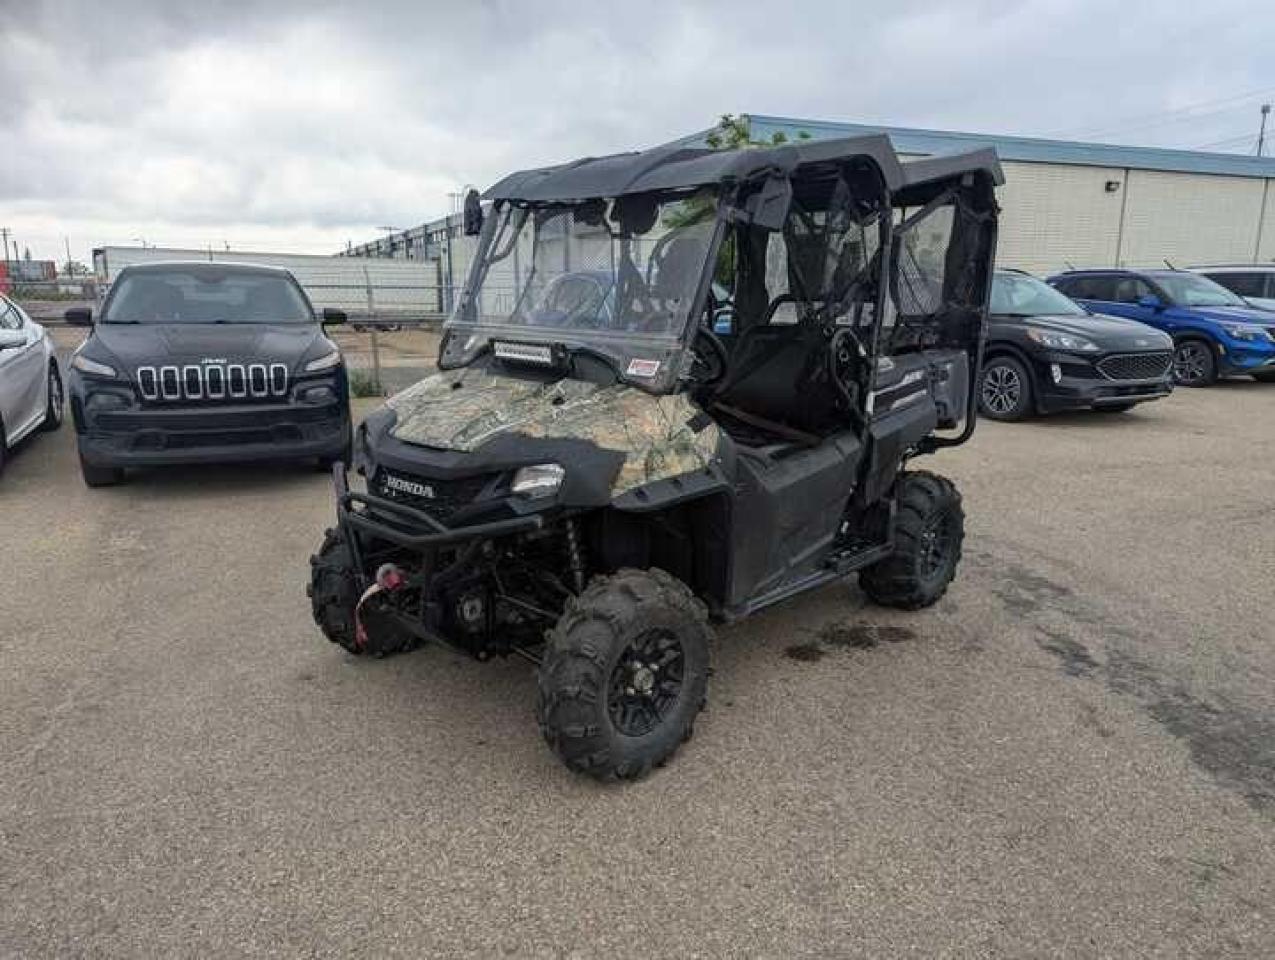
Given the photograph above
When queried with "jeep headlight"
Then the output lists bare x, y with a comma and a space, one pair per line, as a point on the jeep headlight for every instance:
325, 362
1061, 341
92, 367
539, 481
1245, 331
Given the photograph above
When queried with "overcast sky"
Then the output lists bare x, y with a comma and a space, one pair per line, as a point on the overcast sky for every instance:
299, 126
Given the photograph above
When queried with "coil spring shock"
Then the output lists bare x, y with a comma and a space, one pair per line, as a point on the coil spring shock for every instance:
575, 555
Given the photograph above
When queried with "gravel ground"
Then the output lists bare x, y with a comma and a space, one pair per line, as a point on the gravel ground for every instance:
1072, 754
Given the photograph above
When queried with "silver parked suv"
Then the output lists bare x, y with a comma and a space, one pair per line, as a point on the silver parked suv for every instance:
30, 383
1255, 282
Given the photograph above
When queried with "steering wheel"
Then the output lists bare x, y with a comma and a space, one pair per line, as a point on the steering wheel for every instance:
716, 364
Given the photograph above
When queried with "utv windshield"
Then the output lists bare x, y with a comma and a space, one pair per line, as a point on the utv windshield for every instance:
624, 268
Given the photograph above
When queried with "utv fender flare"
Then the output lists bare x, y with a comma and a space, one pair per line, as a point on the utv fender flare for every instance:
662, 494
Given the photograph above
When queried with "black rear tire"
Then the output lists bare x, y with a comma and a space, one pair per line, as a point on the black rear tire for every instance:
1264, 376
928, 533
4, 449
1194, 363
1006, 391
95, 476
625, 674
53, 404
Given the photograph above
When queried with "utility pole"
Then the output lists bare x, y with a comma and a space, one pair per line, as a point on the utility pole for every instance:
1261, 136
4, 232
67, 241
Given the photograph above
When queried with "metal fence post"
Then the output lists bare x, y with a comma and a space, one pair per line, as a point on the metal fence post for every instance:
376, 346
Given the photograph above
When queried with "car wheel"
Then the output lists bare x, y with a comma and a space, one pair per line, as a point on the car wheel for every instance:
1264, 376
95, 476
1006, 392
53, 408
4, 448
624, 675
1114, 408
1194, 364
928, 534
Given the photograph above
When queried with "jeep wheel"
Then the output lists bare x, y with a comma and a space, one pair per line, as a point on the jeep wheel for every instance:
1006, 391
928, 533
1194, 364
95, 476
624, 674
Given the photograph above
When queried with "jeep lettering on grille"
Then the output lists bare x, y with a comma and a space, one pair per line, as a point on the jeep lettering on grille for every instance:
213, 381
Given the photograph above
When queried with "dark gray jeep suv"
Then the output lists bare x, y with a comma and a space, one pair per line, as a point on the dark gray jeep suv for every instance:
206, 362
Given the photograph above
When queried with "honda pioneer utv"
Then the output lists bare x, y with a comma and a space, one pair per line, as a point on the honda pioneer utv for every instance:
680, 386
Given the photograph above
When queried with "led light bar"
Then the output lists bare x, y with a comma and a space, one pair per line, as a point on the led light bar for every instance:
523, 352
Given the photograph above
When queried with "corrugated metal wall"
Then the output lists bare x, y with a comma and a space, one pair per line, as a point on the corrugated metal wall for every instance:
1055, 214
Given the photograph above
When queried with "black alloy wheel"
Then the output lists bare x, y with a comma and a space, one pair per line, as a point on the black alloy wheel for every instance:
1194, 364
1006, 391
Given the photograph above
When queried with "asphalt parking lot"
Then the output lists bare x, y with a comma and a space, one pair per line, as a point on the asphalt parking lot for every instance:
1072, 754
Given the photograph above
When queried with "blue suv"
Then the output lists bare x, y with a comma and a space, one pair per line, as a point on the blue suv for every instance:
1215, 332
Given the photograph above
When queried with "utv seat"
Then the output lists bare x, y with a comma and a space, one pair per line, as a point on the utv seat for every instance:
777, 380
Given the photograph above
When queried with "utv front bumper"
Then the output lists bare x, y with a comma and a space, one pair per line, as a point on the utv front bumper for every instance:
364, 515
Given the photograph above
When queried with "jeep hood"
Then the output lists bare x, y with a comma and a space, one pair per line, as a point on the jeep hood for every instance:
181, 343
659, 436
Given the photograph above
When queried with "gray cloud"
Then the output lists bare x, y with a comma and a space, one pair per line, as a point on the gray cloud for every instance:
303, 124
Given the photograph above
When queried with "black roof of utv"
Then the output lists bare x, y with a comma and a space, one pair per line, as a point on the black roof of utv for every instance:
673, 168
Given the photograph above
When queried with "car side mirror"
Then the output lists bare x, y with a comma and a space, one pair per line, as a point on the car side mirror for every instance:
333, 315
1151, 302
9, 339
79, 316
724, 321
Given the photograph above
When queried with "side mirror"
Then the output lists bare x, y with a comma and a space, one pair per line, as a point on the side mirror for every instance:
1151, 302
473, 214
9, 339
333, 315
79, 316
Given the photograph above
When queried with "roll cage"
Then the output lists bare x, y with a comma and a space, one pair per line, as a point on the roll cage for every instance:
839, 236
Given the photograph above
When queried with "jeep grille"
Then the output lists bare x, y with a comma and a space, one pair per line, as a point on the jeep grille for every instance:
213, 381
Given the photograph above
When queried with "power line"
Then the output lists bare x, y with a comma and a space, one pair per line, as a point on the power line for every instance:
1151, 116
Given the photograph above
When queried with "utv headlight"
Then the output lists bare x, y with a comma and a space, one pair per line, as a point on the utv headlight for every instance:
92, 367
1061, 341
325, 362
538, 481
1245, 331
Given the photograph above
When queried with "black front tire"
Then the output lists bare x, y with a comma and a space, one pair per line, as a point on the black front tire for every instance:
334, 591
1114, 408
1194, 363
1006, 390
95, 476
625, 674
1264, 376
928, 533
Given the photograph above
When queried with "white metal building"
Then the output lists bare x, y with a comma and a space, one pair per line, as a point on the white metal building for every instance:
1083, 204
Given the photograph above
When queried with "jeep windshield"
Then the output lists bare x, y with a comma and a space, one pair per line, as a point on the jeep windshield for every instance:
599, 272
205, 294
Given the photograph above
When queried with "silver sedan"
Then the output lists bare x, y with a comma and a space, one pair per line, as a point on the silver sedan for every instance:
30, 383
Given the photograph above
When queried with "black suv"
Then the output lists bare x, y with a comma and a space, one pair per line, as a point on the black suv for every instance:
1045, 353
206, 362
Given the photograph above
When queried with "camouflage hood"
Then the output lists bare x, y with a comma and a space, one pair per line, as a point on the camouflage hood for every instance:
464, 409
